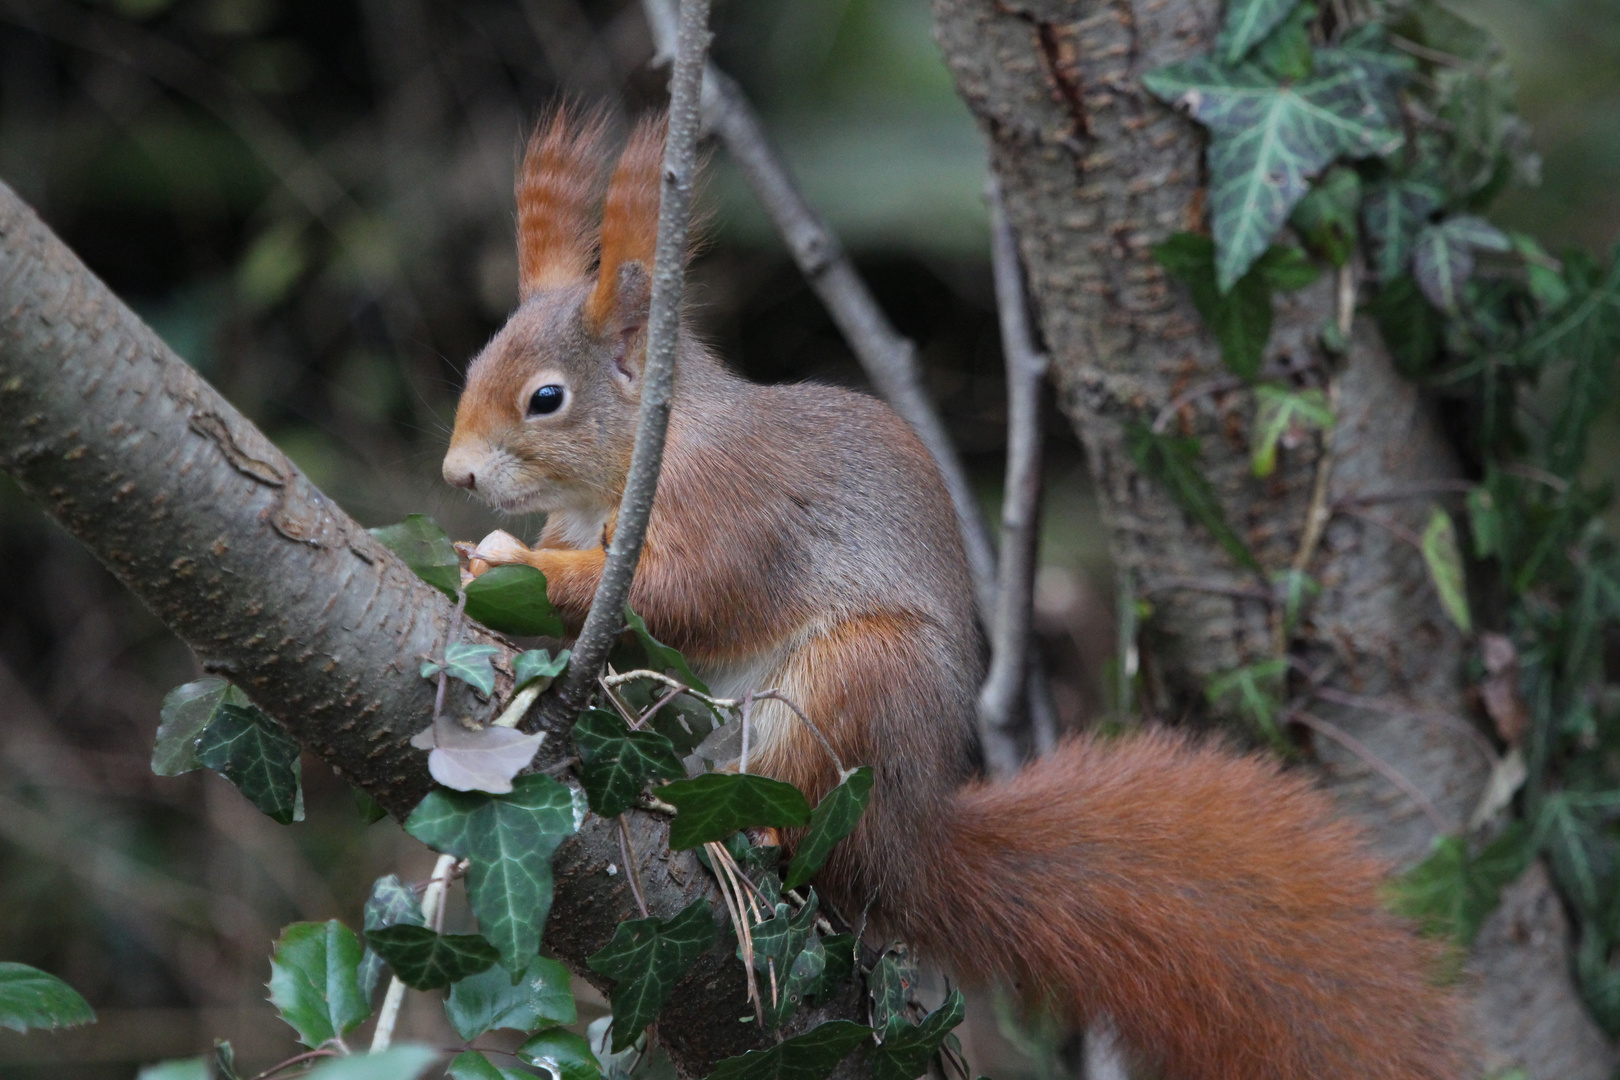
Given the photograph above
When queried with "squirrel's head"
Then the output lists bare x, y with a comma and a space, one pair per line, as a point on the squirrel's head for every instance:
547, 420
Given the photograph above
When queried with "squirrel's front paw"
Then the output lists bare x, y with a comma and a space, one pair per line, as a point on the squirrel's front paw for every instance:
499, 548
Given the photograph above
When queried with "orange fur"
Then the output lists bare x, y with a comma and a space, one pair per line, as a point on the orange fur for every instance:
556, 194
1207, 903
629, 215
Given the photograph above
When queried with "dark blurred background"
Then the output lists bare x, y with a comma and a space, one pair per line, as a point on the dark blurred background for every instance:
312, 203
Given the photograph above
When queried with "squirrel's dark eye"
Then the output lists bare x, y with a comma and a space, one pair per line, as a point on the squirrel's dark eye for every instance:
547, 399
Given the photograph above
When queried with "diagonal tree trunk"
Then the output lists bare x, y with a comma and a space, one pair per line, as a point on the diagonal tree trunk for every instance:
278, 589
1094, 173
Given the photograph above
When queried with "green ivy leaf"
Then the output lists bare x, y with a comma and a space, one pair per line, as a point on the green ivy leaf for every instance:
661, 657
542, 995
391, 903
1394, 213
1409, 325
838, 966
257, 755
424, 960
891, 985
186, 1069
1295, 588
1173, 462
1239, 319
563, 1054
1247, 23
470, 663
404, 1062
537, 664
314, 981
187, 710
1445, 565
811, 1056
508, 841
645, 959
1443, 257
834, 818
1278, 410
32, 999
1586, 335
369, 809
1259, 691
715, 805
906, 1049
1286, 52
685, 721
617, 762
1451, 893
471, 1065
1326, 218
1268, 138
420, 542
512, 600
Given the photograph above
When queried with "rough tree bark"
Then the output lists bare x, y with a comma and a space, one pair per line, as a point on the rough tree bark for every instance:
1094, 172
276, 588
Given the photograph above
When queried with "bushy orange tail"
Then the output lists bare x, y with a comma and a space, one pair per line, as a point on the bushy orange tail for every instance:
1214, 908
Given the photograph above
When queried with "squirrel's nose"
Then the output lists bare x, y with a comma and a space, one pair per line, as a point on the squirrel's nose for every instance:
459, 469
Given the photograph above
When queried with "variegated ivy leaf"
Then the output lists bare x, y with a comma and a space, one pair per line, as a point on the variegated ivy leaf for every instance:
1280, 409
1268, 138
1443, 559
1443, 257
1247, 23
470, 663
1393, 213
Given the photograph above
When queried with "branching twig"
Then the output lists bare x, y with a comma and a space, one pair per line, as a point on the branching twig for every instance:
658, 379
1009, 627
889, 360
777, 695
1401, 709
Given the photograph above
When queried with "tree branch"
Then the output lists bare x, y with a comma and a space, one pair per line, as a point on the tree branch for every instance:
1004, 686
606, 617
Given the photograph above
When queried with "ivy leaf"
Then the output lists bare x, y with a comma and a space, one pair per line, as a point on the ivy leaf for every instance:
1451, 893
1259, 691
834, 818
838, 966
715, 805
661, 657
618, 762
537, 664
684, 720
542, 995
405, 1062
1295, 588
1279, 410
1443, 560
470, 663
563, 1054
1286, 52
508, 841
185, 1069
369, 809
1326, 218
255, 754
1269, 138
187, 711
471, 1065
391, 903
225, 1060
1173, 462
420, 542
1393, 213
1247, 23
906, 1049
480, 759
811, 1056
314, 981
1409, 325
512, 599
1443, 257
424, 960
646, 958
1240, 319
32, 999
890, 986
1586, 334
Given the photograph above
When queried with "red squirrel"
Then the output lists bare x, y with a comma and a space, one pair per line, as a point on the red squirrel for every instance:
1209, 904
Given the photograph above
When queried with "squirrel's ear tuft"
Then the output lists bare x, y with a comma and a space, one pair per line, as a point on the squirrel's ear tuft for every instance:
629, 232
556, 196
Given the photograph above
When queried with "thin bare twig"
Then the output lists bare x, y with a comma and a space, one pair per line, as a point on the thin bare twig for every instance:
1394, 528
1373, 762
1003, 688
1417, 491
1319, 513
889, 360
632, 872
296, 1059
742, 758
1401, 709
1237, 592
606, 616
777, 695
432, 915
